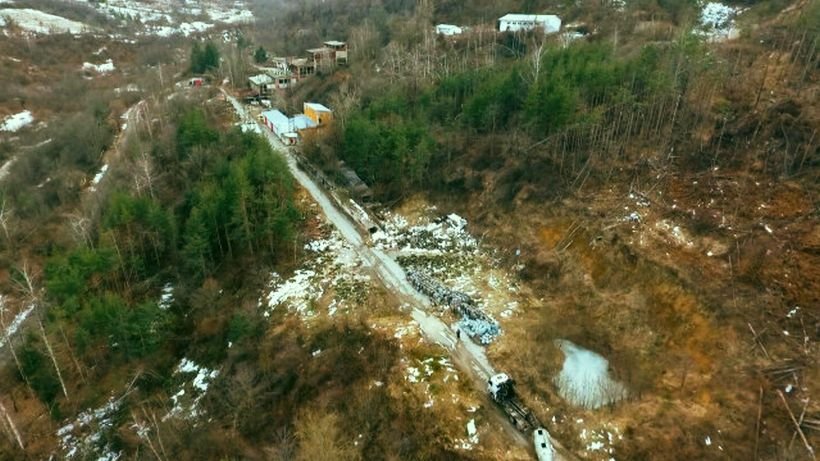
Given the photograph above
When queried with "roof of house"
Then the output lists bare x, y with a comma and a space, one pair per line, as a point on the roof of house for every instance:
323, 49
260, 79
334, 43
528, 17
283, 124
302, 121
317, 107
300, 62
277, 72
276, 118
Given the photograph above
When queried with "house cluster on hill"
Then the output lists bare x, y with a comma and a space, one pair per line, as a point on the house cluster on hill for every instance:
291, 129
512, 22
288, 71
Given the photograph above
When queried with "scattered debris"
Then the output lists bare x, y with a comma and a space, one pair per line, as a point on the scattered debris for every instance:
473, 321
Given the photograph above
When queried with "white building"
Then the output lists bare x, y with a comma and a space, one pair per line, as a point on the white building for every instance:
448, 29
517, 22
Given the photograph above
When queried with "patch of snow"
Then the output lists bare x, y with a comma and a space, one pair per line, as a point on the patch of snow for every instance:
707, 441
166, 298
188, 408
633, 217
15, 324
249, 127
331, 264
600, 440
104, 68
674, 232
793, 312
413, 374
130, 88
84, 436
14, 122
98, 177
789, 388
38, 22
472, 432
231, 17
584, 379
188, 28
717, 21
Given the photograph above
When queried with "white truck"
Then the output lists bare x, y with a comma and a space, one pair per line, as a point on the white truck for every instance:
502, 390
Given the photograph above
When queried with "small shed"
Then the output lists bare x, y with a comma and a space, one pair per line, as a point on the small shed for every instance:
318, 113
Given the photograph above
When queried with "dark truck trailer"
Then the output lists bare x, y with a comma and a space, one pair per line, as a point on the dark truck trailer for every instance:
502, 390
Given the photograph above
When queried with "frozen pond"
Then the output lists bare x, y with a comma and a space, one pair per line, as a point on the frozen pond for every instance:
584, 379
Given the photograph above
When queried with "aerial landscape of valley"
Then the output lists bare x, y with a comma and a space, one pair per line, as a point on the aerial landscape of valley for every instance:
322, 230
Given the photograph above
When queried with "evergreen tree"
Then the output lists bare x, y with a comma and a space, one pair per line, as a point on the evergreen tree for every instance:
203, 60
260, 55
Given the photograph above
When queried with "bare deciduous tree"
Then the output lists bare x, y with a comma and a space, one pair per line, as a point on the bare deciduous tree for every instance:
33, 297
11, 427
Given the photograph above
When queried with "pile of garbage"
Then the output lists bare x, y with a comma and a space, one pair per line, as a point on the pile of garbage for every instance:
474, 321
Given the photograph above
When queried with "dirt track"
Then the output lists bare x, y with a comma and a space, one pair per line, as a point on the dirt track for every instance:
469, 357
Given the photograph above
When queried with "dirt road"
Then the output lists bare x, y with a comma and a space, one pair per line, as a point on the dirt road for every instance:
468, 356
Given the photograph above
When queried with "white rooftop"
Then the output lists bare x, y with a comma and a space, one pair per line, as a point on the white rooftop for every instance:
527, 17
260, 79
317, 107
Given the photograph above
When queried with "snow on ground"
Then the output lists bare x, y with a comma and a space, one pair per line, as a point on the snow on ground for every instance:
717, 21
167, 296
472, 437
155, 19
83, 438
249, 127
425, 369
236, 16
14, 122
331, 265
6, 168
98, 177
104, 68
674, 233
598, 443
443, 248
37, 22
14, 325
584, 379
195, 380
